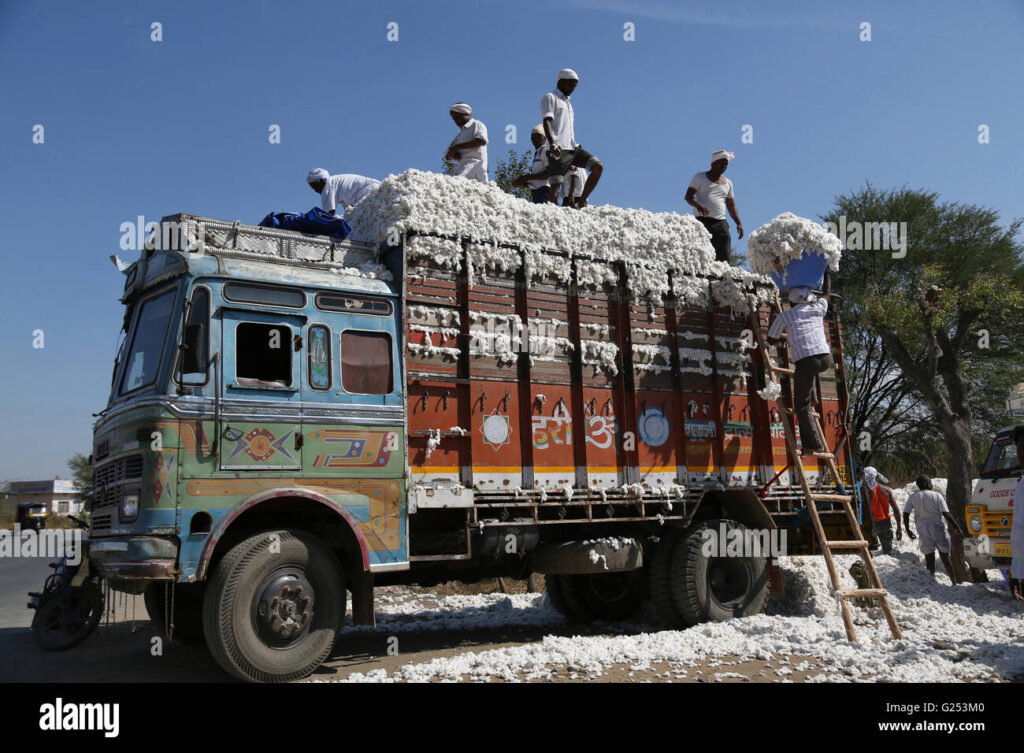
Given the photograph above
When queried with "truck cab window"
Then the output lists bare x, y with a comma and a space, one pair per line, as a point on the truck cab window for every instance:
147, 342
319, 357
196, 339
263, 354
366, 365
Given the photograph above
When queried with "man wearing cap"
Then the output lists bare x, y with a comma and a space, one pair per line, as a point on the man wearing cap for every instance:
710, 194
345, 189
930, 513
883, 508
1017, 528
804, 326
469, 149
564, 153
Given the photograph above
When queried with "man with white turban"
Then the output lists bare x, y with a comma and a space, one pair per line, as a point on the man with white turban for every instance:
883, 508
537, 179
710, 194
469, 148
345, 189
564, 152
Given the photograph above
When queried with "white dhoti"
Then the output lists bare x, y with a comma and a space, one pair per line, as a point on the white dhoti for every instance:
932, 535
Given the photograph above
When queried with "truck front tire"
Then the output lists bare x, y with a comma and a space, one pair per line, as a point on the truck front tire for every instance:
706, 588
274, 606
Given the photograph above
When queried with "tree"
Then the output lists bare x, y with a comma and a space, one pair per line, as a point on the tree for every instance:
81, 474
504, 172
941, 324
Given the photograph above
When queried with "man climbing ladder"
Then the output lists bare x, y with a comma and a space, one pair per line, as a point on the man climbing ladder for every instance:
813, 429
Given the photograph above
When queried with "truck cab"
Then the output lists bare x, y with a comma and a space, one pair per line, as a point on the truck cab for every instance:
990, 512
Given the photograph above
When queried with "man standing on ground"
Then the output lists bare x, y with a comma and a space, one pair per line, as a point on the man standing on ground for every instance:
710, 194
469, 149
804, 326
564, 152
345, 189
883, 508
1017, 530
930, 514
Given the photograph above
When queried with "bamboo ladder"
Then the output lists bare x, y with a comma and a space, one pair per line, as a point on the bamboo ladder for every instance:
876, 591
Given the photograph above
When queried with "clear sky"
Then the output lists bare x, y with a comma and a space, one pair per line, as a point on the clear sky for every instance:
133, 126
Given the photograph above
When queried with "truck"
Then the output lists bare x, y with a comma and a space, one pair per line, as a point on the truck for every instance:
295, 420
989, 514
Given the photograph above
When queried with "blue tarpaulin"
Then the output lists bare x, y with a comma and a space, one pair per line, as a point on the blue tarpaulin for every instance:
315, 221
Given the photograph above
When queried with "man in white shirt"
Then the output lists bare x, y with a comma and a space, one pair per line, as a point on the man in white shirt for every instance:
804, 326
537, 179
930, 513
1017, 530
564, 152
710, 194
345, 189
469, 149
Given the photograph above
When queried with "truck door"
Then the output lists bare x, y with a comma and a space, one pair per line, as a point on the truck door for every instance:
260, 424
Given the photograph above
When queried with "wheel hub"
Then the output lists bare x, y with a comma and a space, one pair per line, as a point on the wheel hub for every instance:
284, 609
728, 579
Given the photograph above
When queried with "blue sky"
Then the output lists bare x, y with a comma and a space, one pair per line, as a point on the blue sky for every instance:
137, 127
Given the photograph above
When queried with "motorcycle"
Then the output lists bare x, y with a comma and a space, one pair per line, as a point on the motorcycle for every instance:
70, 606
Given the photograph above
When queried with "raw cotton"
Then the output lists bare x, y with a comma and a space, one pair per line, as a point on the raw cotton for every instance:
789, 237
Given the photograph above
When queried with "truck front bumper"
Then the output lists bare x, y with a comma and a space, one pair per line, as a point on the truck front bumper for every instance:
987, 553
133, 562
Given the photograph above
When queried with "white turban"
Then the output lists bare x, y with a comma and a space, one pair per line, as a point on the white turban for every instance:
461, 107
722, 154
537, 129
568, 73
872, 477
801, 295
317, 173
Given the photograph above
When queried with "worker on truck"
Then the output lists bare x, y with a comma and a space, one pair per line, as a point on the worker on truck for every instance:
931, 514
564, 153
710, 194
469, 148
345, 189
883, 508
537, 179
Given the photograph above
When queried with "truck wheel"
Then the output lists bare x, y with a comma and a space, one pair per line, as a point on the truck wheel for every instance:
660, 579
554, 588
274, 606
606, 596
188, 610
707, 588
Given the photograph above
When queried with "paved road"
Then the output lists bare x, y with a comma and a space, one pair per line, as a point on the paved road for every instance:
18, 576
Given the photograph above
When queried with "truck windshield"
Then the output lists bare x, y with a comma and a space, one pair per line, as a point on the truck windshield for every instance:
147, 342
1002, 458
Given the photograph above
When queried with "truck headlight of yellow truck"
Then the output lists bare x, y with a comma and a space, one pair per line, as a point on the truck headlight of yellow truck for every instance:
976, 523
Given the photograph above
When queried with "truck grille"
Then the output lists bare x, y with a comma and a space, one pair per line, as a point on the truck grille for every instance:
108, 488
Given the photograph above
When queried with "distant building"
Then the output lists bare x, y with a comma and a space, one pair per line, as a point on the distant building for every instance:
1015, 403
60, 496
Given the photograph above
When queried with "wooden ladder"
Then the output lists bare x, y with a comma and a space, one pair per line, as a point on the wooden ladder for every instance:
859, 545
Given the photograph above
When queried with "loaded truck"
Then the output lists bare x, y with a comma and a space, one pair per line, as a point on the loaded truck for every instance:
990, 512
295, 420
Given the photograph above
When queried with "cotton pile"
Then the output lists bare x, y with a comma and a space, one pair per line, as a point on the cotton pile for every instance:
789, 237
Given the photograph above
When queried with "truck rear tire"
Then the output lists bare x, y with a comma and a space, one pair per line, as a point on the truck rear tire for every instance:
706, 588
274, 606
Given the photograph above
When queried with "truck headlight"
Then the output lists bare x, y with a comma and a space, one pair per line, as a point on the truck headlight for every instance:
976, 523
129, 507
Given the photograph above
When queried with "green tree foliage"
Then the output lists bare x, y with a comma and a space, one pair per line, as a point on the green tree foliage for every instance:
933, 338
81, 474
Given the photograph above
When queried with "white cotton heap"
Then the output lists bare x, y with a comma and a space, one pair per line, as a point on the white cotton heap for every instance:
496, 223
789, 237
771, 392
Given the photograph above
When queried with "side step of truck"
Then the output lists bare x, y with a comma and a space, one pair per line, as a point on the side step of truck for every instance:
875, 590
